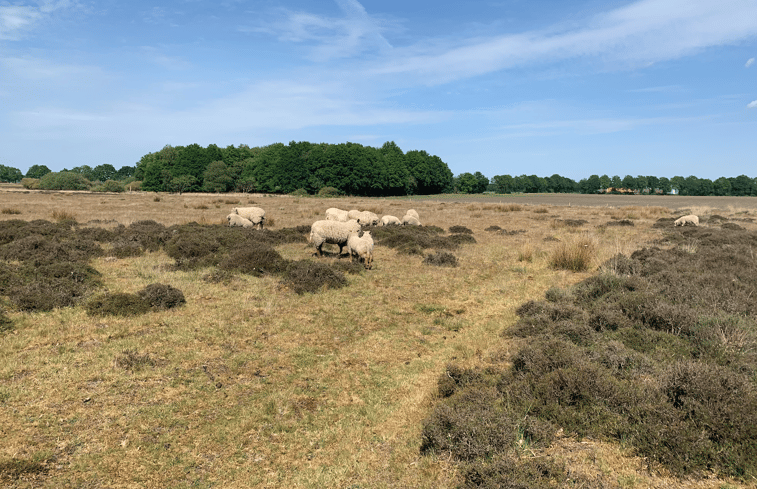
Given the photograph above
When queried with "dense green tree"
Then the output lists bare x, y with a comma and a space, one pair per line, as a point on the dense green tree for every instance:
37, 171
591, 185
398, 180
183, 183
653, 183
431, 174
465, 183
64, 180
84, 170
679, 184
503, 184
616, 182
605, 182
125, 172
664, 185
10, 174
641, 184
217, 178
743, 185
102, 173
628, 182
722, 186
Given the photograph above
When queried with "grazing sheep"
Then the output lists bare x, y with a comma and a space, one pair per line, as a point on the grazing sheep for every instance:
353, 214
256, 215
368, 218
237, 220
409, 220
685, 220
334, 214
362, 248
334, 232
412, 212
389, 220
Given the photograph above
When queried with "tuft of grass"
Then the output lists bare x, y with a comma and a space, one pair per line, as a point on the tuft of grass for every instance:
63, 216
575, 255
10, 211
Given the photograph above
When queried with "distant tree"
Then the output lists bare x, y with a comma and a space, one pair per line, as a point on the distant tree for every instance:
679, 184
591, 185
84, 170
465, 183
722, 186
217, 177
125, 172
664, 185
64, 180
743, 185
503, 183
246, 184
616, 182
605, 182
103, 173
653, 183
10, 175
183, 183
641, 183
37, 171
628, 182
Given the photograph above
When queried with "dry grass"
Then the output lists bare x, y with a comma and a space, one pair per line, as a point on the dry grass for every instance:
251, 385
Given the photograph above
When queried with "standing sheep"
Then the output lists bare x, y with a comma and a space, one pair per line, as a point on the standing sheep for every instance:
684, 220
237, 220
256, 215
334, 214
390, 220
368, 218
412, 212
409, 220
362, 248
333, 232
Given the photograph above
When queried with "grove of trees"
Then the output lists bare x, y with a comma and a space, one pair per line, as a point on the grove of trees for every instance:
345, 168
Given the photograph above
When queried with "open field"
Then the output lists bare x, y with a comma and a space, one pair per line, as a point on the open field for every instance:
252, 385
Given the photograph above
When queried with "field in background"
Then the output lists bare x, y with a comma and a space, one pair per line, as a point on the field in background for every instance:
251, 385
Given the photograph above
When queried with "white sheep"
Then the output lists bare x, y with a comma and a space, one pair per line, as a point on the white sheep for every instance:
684, 220
368, 218
408, 220
362, 247
334, 214
414, 213
353, 214
334, 232
390, 220
256, 215
237, 220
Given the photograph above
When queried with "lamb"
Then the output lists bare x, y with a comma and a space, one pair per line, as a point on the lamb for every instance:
414, 213
409, 220
390, 220
334, 232
237, 220
684, 220
362, 248
255, 214
334, 214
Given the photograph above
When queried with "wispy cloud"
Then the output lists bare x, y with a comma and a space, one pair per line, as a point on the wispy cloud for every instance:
749, 63
17, 19
752, 104
355, 32
643, 32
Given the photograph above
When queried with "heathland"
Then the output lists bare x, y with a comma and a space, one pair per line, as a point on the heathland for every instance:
145, 344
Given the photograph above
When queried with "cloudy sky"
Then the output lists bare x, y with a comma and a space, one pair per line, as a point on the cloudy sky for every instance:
645, 87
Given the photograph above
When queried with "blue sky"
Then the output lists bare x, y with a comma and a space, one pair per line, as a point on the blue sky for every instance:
647, 87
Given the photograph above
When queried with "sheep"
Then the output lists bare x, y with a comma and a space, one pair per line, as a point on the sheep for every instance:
334, 214
389, 220
362, 248
409, 220
334, 232
684, 220
368, 218
353, 214
237, 220
414, 213
255, 214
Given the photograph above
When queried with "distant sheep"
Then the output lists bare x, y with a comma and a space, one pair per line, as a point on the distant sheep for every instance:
362, 247
390, 220
334, 214
256, 215
685, 220
333, 232
409, 220
368, 218
412, 212
237, 220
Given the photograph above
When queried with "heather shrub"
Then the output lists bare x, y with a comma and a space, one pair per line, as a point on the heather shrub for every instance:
441, 259
307, 276
117, 304
161, 296
460, 230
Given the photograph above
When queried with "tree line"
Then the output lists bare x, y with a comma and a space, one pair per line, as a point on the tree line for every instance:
345, 168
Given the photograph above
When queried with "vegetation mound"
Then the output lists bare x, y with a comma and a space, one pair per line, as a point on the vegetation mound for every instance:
658, 352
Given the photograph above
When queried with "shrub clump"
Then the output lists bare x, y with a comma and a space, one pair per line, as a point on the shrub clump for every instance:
64, 180
441, 259
161, 296
154, 297
305, 276
110, 186
460, 230
329, 192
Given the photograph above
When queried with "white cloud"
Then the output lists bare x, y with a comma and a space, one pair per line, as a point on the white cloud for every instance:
15, 19
752, 104
644, 32
749, 62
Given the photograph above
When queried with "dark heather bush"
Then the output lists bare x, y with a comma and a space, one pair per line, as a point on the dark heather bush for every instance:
493, 228
117, 304
125, 249
460, 230
441, 259
524, 473
455, 377
659, 351
45, 287
621, 222
161, 296
254, 259
305, 276
460, 239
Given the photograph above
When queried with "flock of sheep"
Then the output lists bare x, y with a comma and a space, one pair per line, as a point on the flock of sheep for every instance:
342, 228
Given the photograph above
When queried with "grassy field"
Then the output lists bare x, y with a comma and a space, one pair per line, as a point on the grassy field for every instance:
249, 384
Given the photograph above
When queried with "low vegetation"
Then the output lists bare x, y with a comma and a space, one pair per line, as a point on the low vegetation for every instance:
144, 343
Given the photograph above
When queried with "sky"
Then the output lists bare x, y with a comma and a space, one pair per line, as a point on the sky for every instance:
645, 87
